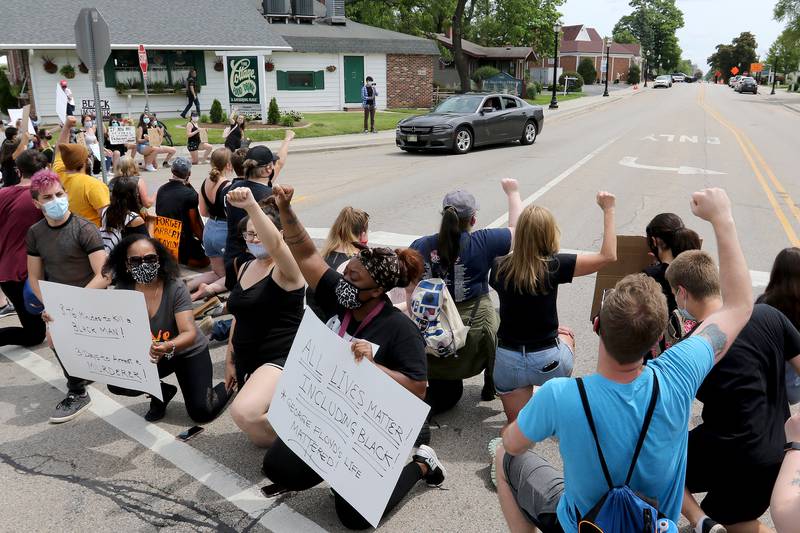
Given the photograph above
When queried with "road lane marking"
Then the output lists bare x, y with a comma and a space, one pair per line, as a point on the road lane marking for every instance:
630, 162
776, 207
231, 486
775, 181
503, 219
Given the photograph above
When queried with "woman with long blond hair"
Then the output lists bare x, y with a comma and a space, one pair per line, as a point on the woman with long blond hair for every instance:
532, 347
350, 227
126, 167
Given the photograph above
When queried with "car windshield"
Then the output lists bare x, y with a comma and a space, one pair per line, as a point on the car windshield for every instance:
663, 78
459, 104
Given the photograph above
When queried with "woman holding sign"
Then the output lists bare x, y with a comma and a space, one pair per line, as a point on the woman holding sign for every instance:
267, 306
359, 310
142, 264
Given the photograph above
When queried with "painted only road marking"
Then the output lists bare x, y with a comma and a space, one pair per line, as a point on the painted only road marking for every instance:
225, 482
669, 137
630, 162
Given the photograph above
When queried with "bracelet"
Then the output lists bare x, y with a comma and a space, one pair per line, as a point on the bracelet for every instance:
169, 354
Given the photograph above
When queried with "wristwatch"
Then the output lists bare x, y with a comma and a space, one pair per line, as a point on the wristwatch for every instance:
791, 446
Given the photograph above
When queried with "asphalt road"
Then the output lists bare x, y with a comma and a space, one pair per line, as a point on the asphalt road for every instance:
110, 470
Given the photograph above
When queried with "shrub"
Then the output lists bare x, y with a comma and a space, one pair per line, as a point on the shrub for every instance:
484, 73
530, 91
587, 71
215, 114
297, 116
68, 71
634, 74
273, 114
575, 85
538, 87
287, 121
224, 117
204, 118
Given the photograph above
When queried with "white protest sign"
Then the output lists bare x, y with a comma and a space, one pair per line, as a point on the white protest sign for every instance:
121, 134
102, 335
61, 104
16, 114
349, 421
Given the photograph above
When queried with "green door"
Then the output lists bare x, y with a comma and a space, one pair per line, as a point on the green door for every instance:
353, 78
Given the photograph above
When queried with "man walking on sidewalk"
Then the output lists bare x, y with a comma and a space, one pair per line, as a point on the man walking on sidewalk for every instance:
369, 95
191, 93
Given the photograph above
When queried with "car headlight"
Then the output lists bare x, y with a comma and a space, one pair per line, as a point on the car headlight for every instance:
442, 128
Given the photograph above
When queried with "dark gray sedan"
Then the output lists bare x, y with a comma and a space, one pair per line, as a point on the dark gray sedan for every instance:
468, 120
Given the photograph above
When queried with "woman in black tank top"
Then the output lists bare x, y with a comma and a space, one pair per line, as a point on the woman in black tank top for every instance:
194, 143
267, 306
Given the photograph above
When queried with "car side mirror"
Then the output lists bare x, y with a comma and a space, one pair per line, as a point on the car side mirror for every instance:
487, 109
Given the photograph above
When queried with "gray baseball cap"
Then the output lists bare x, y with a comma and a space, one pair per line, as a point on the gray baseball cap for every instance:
464, 203
181, 167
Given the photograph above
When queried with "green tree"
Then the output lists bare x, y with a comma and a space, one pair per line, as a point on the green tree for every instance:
515, 23
653, 24
273, 113
587, 71
623, 36
788, 11
784, 53
215, 113
739, 53
7, 98
634, 74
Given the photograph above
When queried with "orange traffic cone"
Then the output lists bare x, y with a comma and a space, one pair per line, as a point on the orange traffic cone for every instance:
635, 86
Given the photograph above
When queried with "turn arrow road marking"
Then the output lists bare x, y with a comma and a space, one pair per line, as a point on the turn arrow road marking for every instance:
630, 161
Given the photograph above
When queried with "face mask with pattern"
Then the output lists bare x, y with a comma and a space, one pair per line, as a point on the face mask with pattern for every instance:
144, 273
347, 294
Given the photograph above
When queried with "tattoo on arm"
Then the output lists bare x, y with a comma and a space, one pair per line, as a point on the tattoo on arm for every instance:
294, 240
715, 336
796, 481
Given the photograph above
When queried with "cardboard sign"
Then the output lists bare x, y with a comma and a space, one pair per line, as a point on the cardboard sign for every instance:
203, 135
121, 134
154, 136
632, 257
19, 114
167, 231
61, 104
102, 335
349, 421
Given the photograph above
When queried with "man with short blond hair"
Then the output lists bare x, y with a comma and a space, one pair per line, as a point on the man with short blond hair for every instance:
532, 493
745, 406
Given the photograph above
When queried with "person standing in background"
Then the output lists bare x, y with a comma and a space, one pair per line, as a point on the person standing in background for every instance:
191, 93
70, 98
369, 95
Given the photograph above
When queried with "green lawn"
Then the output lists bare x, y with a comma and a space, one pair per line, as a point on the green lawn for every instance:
319, 125
544, 98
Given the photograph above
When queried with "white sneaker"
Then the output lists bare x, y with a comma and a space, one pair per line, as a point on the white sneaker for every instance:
150, 168
436, 471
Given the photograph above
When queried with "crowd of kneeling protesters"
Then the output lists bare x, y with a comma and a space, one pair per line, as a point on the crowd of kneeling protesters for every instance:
684, 328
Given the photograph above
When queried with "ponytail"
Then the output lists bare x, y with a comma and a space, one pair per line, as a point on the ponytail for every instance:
220, 159
449, 245
684, 239
411, 266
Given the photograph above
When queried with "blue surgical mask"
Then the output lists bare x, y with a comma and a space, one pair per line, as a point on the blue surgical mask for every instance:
30, 145
257, 250
56, 209
146, 120
685, 312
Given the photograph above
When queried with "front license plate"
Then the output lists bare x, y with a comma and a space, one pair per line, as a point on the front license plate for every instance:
412, 138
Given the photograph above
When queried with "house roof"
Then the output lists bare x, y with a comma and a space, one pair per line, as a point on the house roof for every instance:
489, 52
234, 25
352, 37
594, 45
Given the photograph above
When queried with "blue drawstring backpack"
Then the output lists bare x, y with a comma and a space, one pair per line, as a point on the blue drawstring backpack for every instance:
621, 509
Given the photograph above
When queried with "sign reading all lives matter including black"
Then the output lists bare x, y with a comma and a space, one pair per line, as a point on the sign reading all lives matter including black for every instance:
102, 335
350, 422
243, 84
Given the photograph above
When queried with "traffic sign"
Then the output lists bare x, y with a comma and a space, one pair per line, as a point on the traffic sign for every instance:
734, 70
92, 41
756, 67
142, 59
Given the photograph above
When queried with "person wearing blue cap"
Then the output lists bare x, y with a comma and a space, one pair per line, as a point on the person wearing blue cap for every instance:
178, 200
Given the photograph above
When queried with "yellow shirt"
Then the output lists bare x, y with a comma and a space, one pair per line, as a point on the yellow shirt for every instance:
87, 195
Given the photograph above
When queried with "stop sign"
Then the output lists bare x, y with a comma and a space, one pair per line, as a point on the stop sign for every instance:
142, 59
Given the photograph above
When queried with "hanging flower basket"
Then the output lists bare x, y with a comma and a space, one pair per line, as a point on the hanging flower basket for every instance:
68, 71
49, 66
83, 68
269, 66
218, 66
331, 68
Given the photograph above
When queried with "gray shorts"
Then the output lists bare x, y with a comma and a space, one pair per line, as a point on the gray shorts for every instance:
537, 487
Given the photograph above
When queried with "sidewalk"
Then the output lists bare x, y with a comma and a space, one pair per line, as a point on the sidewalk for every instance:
384, 138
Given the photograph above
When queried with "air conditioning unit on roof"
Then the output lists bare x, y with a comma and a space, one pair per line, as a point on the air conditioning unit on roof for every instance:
336, 11
277, 8
303, 8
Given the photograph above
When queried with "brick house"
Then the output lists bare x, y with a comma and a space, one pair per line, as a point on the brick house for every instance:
579, 41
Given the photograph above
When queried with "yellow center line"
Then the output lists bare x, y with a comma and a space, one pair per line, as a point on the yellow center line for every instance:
740, 136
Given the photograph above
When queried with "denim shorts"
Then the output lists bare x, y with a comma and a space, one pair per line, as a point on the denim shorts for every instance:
214, 235
515, 370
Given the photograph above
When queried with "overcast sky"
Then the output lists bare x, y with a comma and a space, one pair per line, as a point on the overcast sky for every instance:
707, 22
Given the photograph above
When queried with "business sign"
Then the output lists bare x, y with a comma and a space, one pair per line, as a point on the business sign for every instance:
243, 84
102, 335
88, 108
350, 422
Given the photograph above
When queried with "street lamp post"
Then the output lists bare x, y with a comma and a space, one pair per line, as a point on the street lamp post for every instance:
774, 69
608, 58
644, 55
556, 32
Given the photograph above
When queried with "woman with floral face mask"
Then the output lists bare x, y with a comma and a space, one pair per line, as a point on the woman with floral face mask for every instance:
142, 264
358, 310
267, 306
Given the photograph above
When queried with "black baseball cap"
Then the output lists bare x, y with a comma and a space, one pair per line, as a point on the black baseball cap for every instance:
262, 155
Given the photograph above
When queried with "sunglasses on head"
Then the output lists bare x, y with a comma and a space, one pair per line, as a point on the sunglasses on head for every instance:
139, 260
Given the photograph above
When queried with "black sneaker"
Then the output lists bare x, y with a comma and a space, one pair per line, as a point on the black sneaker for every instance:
436, 472
70, 407
158, 408
7, 310
709, 526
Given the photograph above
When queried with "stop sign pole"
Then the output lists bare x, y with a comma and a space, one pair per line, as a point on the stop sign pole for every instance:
143, 66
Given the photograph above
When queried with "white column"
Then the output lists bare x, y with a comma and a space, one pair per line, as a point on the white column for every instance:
263, 89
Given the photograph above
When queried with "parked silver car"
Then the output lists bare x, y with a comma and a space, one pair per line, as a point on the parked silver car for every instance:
663, 81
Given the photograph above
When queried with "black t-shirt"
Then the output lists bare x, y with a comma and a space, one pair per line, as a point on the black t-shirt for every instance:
401, 346
659, 273
234, 244
532, 319
174, 200
744, 397
191, 82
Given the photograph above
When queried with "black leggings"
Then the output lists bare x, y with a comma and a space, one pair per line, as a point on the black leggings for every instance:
443, 394
203, 401
33, 328
283, 467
